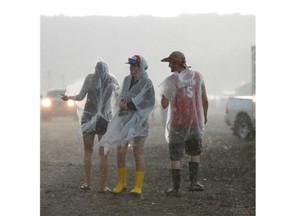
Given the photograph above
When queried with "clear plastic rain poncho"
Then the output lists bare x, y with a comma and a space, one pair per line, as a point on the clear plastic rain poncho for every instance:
124, 126
94, 97
185, 117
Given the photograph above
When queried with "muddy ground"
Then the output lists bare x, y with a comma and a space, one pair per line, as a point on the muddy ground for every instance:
227, 171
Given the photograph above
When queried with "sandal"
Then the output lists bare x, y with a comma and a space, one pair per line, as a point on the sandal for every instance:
105, 190
85, 187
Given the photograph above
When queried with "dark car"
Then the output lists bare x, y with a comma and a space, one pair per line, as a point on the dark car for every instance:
52, 105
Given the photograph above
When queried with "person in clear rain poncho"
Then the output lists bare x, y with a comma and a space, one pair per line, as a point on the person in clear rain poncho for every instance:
95, 112
130, 123
185, 93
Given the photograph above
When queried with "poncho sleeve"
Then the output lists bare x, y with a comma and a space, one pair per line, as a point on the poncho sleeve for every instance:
145, 100
168, 88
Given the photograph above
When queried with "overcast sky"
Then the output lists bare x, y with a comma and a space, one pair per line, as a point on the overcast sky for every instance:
70, 46
162, 8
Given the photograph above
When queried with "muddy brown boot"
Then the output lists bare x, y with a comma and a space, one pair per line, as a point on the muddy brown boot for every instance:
176, 180
193, 171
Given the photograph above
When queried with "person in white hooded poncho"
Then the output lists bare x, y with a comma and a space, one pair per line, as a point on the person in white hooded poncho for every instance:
94, 111
184, 94
130, 123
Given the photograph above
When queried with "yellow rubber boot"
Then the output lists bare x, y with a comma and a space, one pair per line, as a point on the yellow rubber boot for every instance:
122, 174
139, 177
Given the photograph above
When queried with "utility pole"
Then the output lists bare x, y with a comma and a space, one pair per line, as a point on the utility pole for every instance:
253, 53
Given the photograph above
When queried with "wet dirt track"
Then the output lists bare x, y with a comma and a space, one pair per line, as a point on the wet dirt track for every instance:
227, 171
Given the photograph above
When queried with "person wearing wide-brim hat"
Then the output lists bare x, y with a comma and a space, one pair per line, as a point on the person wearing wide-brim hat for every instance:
184, 94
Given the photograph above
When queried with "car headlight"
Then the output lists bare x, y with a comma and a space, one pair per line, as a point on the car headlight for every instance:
70, 103
254, 98
46, 102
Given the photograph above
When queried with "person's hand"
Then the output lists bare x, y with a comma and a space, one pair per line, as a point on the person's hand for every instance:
123, 105
64, 97
205, 119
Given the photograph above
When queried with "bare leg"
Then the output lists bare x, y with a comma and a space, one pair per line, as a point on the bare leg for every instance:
175, 165
195, 158
139, 158
103, 167
88, 140
121, 156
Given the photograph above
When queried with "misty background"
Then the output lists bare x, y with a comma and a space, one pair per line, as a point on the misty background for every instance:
218, 46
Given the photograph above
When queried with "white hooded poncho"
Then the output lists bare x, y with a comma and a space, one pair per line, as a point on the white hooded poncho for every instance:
185, 111
124, 127
95, 96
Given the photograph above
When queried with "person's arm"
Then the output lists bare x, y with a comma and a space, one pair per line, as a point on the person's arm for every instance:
204, 102
164, 102
116, 86
81, 95
124, 105
66, 98
83, 90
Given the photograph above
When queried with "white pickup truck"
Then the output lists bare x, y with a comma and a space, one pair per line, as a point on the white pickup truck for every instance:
240, 116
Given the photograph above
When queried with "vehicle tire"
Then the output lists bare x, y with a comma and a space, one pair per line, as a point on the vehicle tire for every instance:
243, 127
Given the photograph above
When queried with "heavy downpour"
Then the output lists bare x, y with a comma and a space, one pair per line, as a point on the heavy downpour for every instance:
219, 49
